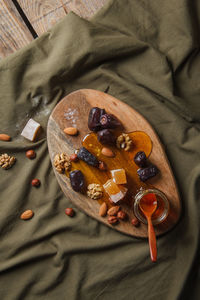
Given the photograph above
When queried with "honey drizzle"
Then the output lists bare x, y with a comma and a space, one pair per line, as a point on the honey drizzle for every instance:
123, 159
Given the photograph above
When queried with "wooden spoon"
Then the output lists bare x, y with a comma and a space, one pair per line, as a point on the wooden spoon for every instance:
148, 205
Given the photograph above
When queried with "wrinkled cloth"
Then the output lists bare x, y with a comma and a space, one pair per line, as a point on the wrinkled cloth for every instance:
145, 53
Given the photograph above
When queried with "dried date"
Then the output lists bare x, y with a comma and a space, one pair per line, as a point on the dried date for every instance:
88, 157
147, 173
109, 121
140, 159
77, 180
94, 118
106, 137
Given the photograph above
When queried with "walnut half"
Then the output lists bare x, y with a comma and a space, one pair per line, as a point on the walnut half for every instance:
95, 191
62, 163
124, 142
7, 161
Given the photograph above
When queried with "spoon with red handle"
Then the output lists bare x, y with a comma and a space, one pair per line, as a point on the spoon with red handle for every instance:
148, 205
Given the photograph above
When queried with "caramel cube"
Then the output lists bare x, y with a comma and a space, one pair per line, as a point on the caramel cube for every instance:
115, 192
119, 176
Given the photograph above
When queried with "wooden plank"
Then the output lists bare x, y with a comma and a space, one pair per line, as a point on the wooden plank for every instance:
13, 31
84, 8
43, 14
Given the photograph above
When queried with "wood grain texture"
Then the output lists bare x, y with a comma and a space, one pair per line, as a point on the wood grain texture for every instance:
43, 14
13, 31
80, 102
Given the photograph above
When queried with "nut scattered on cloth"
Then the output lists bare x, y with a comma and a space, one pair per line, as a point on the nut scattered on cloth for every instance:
62, 162
7, 161
27, 214
124, 142
95, 191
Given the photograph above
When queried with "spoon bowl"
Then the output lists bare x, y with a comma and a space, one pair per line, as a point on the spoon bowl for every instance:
148, 205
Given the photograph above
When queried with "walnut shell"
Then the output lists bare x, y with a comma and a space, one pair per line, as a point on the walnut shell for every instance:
7, 161
124, 142
95, 191
62, 163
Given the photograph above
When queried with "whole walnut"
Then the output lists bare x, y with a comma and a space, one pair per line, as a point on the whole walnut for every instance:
95, 191
7, 161
124, 142
62, 163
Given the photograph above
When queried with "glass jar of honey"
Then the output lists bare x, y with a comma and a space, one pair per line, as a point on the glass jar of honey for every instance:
161, 211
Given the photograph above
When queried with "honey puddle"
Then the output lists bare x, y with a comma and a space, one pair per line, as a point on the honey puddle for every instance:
123, 159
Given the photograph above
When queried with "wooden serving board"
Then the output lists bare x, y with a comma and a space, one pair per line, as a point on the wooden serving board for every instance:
73, 110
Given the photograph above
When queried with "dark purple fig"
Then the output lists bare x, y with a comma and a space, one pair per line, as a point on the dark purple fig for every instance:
106, 136
94, 118
88, 157
148, 172
109, 121
77, 180
140, 159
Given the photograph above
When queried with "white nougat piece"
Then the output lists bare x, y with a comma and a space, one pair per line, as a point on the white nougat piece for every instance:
30, 130
119, 196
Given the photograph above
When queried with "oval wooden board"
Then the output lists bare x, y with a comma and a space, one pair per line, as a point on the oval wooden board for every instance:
73, 110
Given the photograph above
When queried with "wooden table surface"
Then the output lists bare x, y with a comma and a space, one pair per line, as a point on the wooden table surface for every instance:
21, 21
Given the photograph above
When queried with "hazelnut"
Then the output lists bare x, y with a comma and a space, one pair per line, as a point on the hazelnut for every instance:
35, 182
135, 222
73, 157
121, 215
112, 220
102, 166
69, 212
30, 154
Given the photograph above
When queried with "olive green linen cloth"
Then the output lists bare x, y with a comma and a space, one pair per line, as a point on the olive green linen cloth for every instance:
145, 53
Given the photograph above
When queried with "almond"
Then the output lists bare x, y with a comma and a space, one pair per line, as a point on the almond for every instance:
71, 131
107, 152
4, 137
113, 210
103, 209
27, 214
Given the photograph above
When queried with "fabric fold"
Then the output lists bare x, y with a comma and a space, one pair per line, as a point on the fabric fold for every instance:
145, 53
